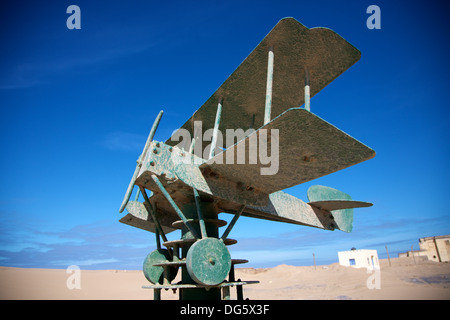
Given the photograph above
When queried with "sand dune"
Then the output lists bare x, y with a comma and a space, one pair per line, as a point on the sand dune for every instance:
403, 280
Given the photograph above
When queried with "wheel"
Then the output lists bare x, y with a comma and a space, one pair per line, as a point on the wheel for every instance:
155, 274
208, 261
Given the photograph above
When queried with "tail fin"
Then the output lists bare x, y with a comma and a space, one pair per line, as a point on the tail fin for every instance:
337, 202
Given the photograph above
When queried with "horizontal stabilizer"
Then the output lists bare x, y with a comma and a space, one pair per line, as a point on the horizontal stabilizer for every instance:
331, 205
340, 203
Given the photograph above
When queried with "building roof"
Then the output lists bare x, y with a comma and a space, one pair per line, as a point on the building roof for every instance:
435, 237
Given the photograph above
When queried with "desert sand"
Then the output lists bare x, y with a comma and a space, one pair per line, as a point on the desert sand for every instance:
403, 280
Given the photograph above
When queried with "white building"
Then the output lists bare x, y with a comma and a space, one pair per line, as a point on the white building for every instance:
434, 248
359, 258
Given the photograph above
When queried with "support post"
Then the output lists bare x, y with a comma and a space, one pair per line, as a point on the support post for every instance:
226, 293
389, 259
239, 292
268, 106
156, 294
158, 241
412, 253
210, 213
176, 253
314, 258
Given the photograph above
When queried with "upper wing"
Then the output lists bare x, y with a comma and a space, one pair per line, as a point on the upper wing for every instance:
320, 51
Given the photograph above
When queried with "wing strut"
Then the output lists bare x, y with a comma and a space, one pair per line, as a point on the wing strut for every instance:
307, 91
268, 108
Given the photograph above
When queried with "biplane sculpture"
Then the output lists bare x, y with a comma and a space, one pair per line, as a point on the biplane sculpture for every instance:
268, 98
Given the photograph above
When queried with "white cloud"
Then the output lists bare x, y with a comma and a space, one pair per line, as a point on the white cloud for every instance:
124, 141
87, 262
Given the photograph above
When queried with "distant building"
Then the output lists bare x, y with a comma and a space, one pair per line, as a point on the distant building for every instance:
359, 258
434, 248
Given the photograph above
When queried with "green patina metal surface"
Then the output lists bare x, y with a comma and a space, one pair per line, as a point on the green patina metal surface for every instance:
229, 195
188, 192
338, 202
153, 273
188, 241
178, 168
208, 261
319, 193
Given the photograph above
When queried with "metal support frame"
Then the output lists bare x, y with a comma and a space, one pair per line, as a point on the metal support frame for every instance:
188, 288
232, 223
140, 160
201, 221
175, 207
159, 229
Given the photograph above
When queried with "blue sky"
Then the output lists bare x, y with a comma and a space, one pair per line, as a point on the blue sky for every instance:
76, 107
